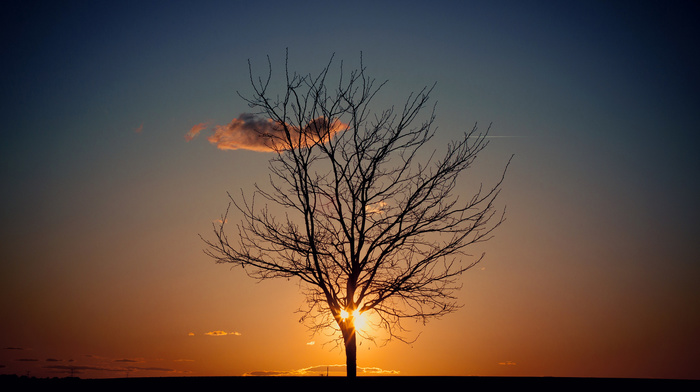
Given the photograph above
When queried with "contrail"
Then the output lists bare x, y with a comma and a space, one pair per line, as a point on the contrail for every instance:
497, 136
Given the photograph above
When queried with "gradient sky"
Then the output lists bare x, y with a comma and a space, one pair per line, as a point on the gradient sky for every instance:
103, 197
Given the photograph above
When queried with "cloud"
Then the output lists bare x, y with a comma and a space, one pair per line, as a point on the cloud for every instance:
196, 130
320, 370
507, 363
127, 360
222, 333
376, 208
82, 368
250, 132
85, 364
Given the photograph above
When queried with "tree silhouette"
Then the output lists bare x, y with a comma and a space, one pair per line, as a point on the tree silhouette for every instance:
370, 221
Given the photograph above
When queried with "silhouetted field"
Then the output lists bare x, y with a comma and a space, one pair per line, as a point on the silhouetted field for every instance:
392, 383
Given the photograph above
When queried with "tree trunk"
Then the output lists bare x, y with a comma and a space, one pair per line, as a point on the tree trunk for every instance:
350, 351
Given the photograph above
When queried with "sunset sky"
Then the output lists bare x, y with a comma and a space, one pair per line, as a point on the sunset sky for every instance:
108, 179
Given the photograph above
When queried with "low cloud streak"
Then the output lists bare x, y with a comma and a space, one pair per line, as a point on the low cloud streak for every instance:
222, 333
320, 370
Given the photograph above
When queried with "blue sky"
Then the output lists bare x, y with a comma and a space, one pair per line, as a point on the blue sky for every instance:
104, 199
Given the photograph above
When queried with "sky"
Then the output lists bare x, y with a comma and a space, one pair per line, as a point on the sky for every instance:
109, 179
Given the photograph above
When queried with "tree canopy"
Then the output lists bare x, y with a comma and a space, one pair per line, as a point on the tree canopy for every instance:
356, 208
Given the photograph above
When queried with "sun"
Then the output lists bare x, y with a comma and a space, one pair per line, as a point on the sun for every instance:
359, 318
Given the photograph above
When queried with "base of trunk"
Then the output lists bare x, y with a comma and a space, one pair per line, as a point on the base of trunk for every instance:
350, 352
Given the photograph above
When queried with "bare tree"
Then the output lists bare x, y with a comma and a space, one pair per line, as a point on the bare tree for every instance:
371, 222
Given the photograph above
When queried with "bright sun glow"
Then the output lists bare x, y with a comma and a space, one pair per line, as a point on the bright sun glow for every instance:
360, 319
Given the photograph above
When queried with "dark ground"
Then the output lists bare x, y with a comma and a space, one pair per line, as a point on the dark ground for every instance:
392, 383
